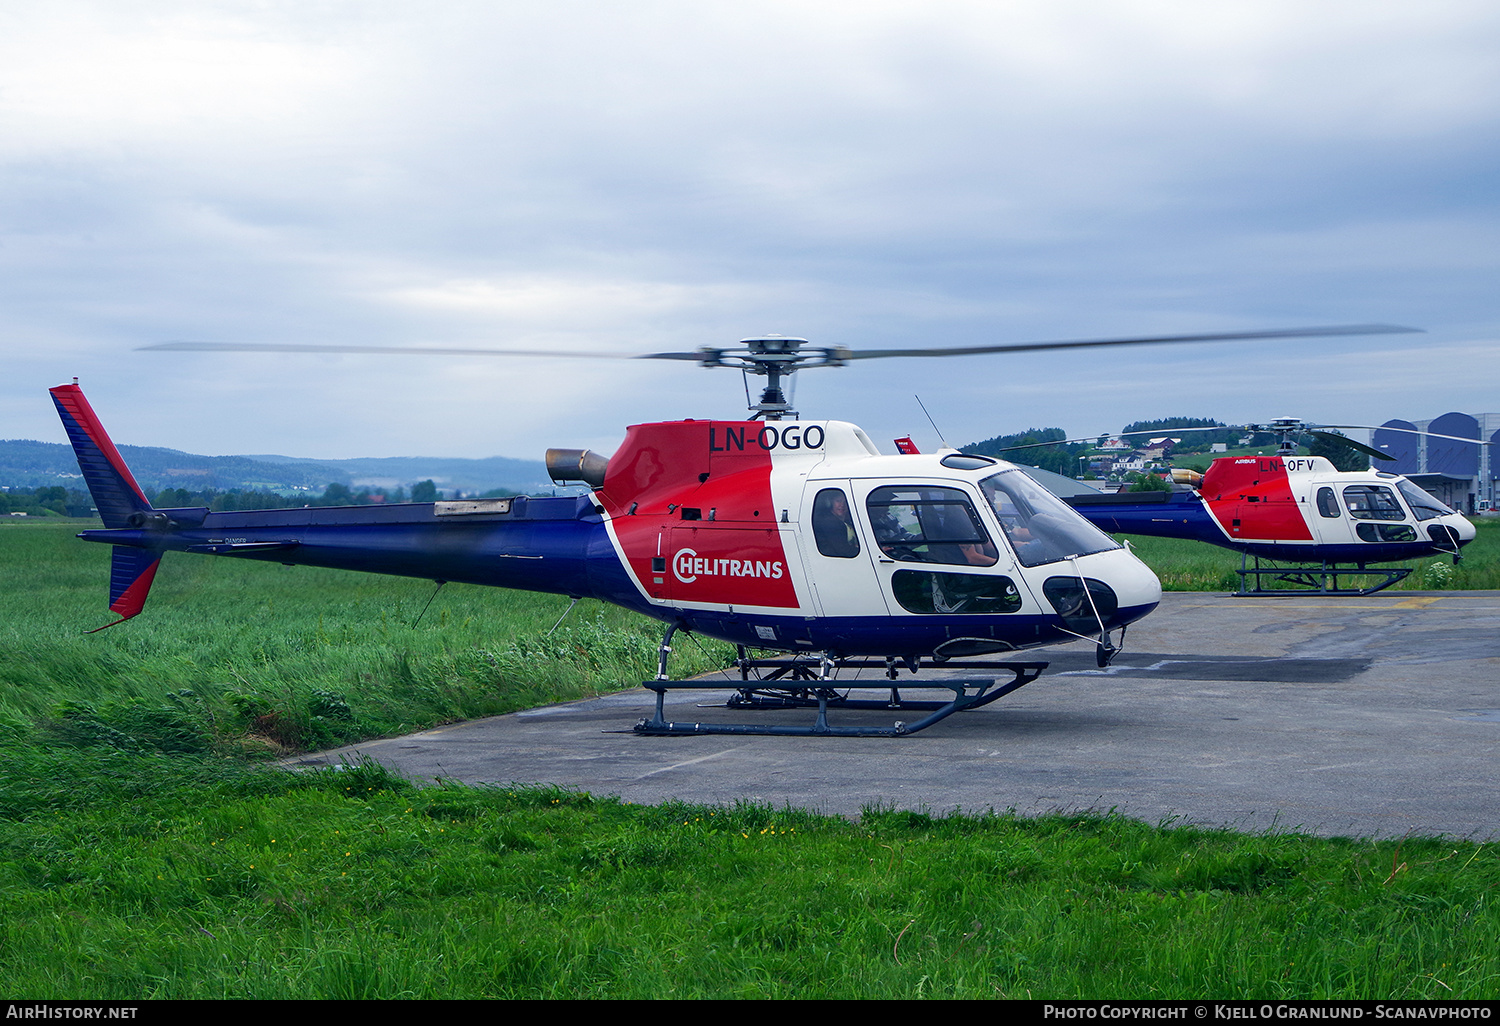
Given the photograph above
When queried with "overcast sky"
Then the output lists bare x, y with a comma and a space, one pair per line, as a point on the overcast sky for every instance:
660, 175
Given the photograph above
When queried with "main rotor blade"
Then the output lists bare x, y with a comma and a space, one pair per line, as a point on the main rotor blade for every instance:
1227, 336
1408, 431
1349, 443
711, 354
297, 347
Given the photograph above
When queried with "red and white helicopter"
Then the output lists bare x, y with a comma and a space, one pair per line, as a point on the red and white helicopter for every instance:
794, 536
1312, 524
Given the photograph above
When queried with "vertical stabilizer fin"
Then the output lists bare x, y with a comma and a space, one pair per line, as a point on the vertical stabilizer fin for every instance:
118, 497
110, 482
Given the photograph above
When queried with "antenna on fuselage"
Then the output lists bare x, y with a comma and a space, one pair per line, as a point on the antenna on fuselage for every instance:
932, 422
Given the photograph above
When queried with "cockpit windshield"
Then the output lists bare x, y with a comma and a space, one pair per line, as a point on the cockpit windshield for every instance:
1423, 505
1040, 526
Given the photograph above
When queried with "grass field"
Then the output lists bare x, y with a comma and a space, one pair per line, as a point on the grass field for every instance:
147, 877
148, 850
272, 659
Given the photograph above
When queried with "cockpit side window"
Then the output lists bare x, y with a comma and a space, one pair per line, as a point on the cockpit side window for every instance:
1372, 502
1385, 532
929, 524
1328, 504
833, 524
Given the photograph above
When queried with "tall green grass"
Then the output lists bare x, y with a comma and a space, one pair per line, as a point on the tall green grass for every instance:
127, 876
262, 657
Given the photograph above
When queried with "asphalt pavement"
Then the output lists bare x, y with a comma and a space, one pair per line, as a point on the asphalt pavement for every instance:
1357, 716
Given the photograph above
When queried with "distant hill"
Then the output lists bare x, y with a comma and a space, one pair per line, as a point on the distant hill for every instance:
393, 471
29, 464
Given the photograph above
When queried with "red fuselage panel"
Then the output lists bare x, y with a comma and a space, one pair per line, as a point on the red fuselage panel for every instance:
691, 507
1251, 498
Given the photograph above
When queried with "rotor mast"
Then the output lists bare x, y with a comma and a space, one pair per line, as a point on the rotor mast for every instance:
1286, 428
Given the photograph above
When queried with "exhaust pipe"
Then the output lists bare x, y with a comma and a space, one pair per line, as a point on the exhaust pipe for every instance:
565, 465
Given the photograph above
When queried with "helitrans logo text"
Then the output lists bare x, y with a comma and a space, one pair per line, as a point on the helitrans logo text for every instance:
688, 566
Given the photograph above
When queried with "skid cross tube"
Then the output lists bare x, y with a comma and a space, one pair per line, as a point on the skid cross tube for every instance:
968, 693
1310, 579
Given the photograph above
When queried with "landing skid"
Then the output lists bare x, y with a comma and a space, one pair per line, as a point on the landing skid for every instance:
799, 682
1309, 579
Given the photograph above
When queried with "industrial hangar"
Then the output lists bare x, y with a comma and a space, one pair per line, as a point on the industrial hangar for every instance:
1462, 474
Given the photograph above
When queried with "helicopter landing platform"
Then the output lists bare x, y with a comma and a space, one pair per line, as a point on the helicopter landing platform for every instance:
1376, 715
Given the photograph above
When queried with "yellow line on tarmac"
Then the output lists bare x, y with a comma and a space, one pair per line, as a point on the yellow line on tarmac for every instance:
1411, 603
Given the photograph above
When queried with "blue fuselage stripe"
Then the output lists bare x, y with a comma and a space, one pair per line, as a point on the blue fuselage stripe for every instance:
1191, 520
558, 546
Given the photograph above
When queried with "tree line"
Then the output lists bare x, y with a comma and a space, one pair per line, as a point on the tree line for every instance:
336, 494
45, 501
56, 500
1064, 457
1058, 458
